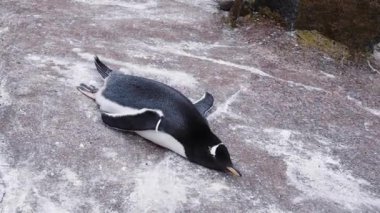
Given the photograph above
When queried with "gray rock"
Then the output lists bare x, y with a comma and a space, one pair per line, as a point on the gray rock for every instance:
304, 136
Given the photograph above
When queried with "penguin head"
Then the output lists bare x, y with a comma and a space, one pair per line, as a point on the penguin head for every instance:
215, 157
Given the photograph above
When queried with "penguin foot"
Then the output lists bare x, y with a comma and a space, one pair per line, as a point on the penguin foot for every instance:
88, 91
91, 88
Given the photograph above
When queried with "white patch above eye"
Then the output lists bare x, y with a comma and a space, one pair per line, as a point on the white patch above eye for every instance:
213, 149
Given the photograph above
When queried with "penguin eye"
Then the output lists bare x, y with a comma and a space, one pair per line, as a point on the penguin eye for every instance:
222, 153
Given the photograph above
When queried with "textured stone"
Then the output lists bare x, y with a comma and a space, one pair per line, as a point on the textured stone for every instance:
303, 130
286, 8
353, 23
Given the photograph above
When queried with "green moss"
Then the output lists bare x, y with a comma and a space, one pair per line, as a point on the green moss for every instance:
351, 22
316, 40
271, 14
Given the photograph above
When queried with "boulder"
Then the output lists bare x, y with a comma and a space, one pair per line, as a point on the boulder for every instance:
351, 22
286, 8
355, 24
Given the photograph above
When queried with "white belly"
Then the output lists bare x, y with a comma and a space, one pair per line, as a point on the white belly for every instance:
164, 140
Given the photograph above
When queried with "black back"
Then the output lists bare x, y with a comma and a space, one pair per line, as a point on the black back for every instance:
181, 118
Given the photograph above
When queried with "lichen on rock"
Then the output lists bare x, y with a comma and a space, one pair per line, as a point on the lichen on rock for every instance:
355, 24
314, 39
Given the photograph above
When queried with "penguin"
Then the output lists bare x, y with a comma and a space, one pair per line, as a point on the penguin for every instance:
161, 114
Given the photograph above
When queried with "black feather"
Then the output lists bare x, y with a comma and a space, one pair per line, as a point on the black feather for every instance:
103, 70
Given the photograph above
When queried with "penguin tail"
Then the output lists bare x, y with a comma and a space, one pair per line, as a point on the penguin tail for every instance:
103, 70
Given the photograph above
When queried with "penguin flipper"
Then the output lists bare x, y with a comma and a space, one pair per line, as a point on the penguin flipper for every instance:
147, 120
205, 104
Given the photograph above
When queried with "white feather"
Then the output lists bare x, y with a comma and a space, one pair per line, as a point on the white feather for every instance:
160, 138
116, 110
213, 149
163, 139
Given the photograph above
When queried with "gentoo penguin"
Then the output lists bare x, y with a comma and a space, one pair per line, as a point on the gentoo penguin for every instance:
160, 114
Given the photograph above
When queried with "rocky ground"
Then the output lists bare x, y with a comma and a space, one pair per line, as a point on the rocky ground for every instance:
302, 128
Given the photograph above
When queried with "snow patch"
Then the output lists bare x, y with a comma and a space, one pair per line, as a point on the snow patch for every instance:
327, 74
158, 189
322, 140
360, 104
169, 185
88, 108
74, 72
307, 87
224, 108
173, 77
179, 49
198, 46
23, 189
19, 187
272, 209
5, 99
207, 6
71, 176
218, 187
109, 153
316, 173
198, 10
168, 48
46, 205
139, 5
4, 30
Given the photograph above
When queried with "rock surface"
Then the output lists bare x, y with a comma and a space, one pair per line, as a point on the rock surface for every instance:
353, 23
302, 129
288, 9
